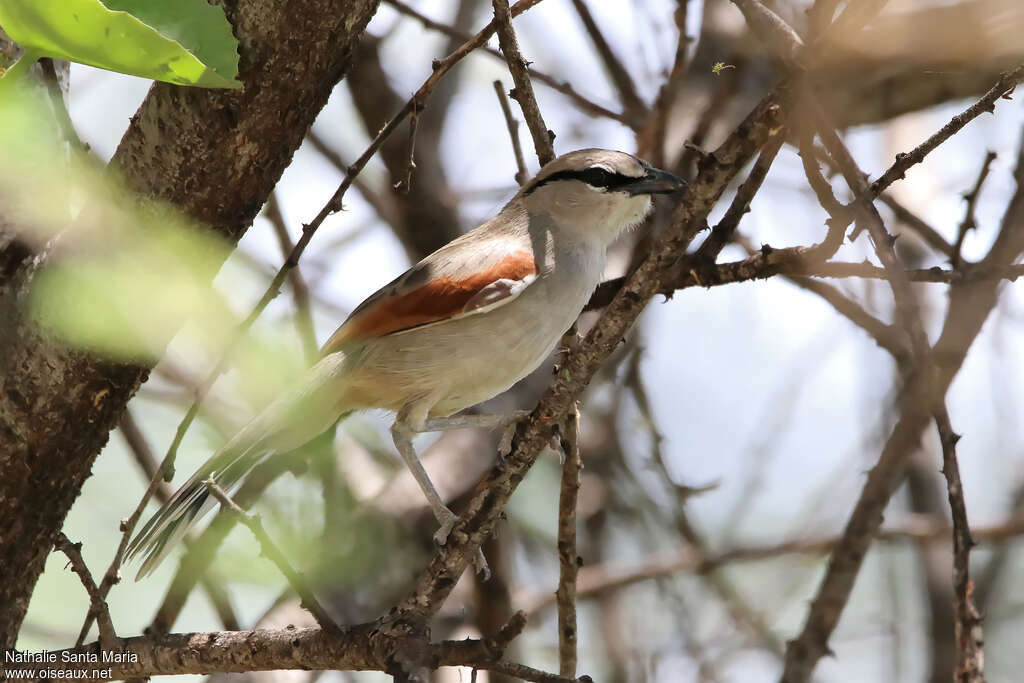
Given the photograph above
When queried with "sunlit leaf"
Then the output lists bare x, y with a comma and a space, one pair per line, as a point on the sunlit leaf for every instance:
188, 42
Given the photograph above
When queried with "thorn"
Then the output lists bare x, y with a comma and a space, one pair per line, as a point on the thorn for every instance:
954, 438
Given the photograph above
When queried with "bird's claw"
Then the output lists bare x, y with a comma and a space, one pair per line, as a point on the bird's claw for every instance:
448, 520
480, 565
505, 443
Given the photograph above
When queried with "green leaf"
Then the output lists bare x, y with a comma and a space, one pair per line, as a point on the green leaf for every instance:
187, 42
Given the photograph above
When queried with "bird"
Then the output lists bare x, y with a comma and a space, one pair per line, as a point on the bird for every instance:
459, 327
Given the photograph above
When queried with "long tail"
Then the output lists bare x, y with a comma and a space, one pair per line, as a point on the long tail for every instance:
189, 503
287, 423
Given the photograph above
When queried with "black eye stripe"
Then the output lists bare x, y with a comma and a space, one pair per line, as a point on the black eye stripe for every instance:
594, 176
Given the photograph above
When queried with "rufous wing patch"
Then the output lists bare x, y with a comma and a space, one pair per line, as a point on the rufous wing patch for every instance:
438, 299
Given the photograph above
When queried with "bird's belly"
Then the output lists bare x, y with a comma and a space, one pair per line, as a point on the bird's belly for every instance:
462, 362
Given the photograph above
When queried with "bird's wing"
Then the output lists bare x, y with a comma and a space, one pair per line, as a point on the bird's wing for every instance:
464, 278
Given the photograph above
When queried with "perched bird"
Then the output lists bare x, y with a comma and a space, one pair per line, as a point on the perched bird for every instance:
459, 327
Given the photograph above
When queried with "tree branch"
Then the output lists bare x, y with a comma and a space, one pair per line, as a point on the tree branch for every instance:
523, 92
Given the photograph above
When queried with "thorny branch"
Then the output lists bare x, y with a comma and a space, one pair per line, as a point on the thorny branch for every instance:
970, 221
523, 93
97, 603
522, 175
568, 560
970, 656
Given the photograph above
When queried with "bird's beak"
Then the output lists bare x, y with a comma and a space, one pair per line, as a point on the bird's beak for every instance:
656, 182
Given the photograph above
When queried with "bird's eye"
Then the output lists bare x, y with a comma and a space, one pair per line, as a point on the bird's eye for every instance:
598, 177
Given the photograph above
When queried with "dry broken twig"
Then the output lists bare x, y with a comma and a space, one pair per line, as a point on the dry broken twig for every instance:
97, 601
523, 92
270, 550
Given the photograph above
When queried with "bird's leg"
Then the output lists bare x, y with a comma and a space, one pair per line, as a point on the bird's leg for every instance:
402, 432
443, 424
508, 421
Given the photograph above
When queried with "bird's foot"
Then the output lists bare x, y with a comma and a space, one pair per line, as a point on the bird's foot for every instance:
447, 519
505, 442
509, 432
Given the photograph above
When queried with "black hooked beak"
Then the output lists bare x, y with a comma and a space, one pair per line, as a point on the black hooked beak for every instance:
656, 181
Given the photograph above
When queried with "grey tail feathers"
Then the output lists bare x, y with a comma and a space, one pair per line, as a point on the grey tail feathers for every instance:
296, 417
191, 502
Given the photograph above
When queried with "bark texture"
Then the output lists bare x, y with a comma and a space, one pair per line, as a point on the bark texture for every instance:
215, 155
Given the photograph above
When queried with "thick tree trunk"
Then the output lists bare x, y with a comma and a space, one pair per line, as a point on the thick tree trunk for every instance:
215, 155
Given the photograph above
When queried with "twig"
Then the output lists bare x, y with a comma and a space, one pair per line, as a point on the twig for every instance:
1002, 88
886, 336
142, 453
523, 92
522, 175
270, 550
568, 561
726, 88
930, 235
526, 673
300, 290
633, 106
733, 601
585, 105
969, 222
383, 204
405, 183
97, 601
139, 447
651, 139
779, 37
112, 575
598, 580
884, 244
791, 262
200, 554
722, 233
970, 662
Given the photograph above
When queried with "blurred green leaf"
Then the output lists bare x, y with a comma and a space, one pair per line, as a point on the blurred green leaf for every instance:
188, 42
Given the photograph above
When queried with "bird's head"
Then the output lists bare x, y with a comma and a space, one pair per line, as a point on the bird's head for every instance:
597, 190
